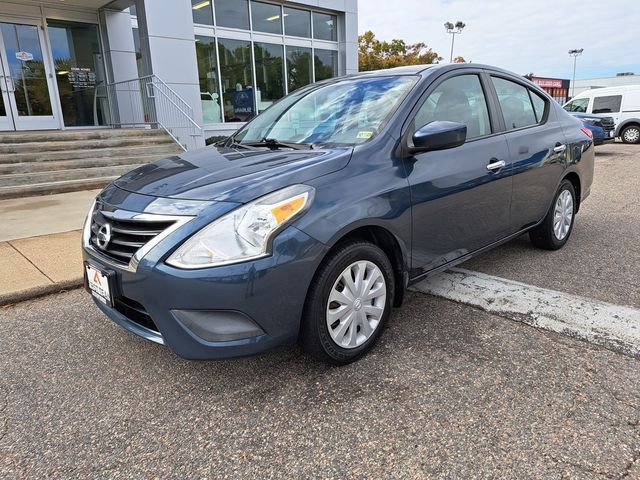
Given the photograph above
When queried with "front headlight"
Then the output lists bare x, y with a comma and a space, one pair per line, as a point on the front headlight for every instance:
245, 233
592, 121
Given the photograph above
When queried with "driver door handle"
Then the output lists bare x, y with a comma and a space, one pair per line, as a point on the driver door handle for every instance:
496, 164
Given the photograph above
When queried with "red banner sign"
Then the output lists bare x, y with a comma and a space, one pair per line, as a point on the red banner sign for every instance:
547, 82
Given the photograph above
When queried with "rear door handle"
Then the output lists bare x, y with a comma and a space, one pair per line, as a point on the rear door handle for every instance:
496, 164
559, 148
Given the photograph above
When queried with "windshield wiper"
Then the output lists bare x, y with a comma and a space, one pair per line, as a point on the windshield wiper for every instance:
274, 144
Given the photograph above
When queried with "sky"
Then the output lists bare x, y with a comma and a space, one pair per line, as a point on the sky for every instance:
519, 35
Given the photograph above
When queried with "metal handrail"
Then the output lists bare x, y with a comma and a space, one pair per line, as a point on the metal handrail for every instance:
149, 101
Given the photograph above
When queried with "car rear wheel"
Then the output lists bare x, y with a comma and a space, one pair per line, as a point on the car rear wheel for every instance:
348, 304
555, 229
631, 134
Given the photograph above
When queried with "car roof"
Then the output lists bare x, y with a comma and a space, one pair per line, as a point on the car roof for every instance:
431, 69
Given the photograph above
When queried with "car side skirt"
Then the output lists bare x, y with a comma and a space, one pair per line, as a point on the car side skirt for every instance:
470, 255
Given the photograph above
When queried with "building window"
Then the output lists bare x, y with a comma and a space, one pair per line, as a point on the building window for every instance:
208, 76
232, 13
299, 68
326, 64
297, 22
269, 74
325, 26
139, 59
266, 17
237, 80
202, 11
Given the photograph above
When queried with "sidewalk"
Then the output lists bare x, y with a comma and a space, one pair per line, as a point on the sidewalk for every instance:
40, 250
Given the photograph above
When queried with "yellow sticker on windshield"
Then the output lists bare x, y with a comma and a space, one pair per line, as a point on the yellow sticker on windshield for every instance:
365, 134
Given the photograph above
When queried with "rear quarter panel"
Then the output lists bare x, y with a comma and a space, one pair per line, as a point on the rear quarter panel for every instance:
580, 156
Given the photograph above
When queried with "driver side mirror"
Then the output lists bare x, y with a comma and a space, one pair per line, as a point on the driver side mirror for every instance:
438, 135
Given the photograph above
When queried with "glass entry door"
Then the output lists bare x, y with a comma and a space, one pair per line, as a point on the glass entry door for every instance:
79, 72
6, 122
24, 79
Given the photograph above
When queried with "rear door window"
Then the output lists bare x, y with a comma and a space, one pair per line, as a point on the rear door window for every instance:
515, 102
608, 104
539, 105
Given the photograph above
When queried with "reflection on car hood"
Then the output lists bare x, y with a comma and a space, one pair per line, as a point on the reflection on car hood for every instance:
231, 175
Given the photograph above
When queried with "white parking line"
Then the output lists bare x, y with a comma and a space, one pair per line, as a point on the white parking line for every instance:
612, 326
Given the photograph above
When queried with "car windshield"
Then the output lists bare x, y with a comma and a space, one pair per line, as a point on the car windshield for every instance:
344, 112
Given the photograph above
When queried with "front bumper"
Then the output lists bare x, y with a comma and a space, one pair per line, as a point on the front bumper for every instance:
201, 314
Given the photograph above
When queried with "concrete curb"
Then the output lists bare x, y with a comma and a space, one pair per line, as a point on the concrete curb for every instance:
31, 293
40, 265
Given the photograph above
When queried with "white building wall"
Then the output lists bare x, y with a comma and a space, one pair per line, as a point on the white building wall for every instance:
590, 83
120, 55
167, 37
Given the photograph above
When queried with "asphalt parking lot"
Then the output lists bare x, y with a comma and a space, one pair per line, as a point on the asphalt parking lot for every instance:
449, 392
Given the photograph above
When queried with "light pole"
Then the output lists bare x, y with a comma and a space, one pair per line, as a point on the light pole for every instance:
575, 53
453, 29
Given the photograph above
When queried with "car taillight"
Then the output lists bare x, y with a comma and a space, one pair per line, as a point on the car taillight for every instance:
587, 132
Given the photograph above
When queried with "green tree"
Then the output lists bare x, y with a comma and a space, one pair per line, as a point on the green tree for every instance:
375, 54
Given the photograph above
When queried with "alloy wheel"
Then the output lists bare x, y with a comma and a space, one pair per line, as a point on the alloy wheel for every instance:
632, 135
356, 304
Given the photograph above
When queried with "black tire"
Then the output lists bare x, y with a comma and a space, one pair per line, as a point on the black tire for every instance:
630, 134
543, 236
315, 338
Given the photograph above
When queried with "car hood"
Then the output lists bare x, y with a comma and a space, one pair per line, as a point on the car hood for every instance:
229, 175
590, 115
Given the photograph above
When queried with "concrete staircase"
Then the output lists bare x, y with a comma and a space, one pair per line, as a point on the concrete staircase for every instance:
46, 162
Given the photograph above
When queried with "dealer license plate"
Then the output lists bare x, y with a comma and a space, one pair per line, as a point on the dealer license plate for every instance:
98, 283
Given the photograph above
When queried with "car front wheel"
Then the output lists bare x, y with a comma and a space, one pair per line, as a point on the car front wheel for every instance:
631, 134
348, 304
555, 229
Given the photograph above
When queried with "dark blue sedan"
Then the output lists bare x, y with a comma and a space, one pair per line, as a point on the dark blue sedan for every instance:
602, 128
311, 221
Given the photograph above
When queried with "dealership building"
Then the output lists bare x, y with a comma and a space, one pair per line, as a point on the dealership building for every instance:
619, 80
197, 66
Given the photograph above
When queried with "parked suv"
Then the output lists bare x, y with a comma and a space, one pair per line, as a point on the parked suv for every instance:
310, 222
621, 103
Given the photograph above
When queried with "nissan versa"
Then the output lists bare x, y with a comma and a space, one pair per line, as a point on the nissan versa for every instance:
310, 222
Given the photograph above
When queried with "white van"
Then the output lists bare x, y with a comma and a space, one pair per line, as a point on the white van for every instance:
621, 103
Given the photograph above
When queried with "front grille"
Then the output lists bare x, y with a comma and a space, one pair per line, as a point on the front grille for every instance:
135, 312
607, 123
127, 235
